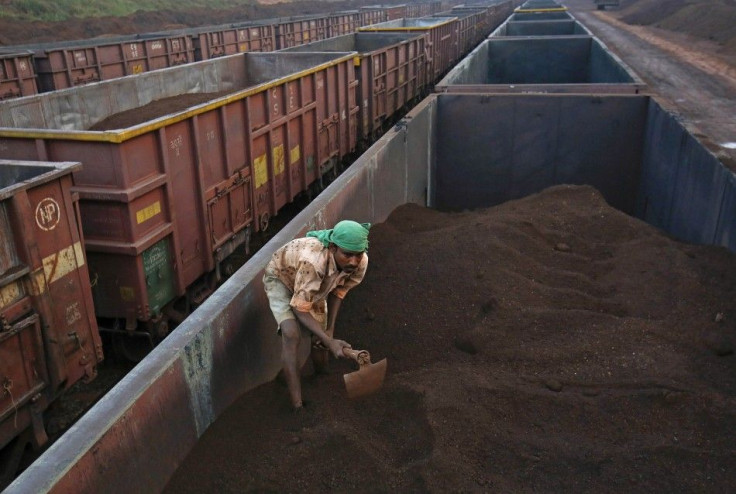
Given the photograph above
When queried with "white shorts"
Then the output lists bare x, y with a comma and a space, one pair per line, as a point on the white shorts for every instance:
279, 300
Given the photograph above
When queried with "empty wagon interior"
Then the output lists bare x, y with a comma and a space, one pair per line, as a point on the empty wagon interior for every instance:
541, 28
539, 60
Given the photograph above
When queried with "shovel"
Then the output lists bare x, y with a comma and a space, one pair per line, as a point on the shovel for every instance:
366, 380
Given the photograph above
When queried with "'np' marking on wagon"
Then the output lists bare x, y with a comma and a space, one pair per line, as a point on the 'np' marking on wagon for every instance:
48, 214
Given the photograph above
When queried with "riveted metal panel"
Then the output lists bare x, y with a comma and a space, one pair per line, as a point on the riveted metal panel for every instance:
17, 75
48, 333
390, 72
75, 63
442, 39
217, 41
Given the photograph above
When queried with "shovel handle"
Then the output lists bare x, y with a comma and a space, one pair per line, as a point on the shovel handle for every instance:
360, 356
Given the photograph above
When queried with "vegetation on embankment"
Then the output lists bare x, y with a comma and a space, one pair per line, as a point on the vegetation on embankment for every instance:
60, 10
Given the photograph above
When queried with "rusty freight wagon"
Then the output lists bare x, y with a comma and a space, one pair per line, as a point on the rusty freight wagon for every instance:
17, 75
467, 28
345, 22
421, 9
371, 15
487, 18
48, 332
217, 41
394, 12
166, 197
74, 63
390, 71
298, 30
442, 39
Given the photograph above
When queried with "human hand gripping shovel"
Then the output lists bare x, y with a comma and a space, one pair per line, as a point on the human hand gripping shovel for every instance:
368, 378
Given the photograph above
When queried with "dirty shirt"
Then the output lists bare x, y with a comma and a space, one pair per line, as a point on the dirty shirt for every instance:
308, 268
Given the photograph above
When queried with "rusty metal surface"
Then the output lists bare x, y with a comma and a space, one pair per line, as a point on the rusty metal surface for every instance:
48, 333
17, 75
298, 30
442, 32
69, 64
395, 12
372, 15
218, 41
341, 23
390, 71
239, 160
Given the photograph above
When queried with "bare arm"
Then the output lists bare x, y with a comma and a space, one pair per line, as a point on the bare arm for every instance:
333, 307
335, 345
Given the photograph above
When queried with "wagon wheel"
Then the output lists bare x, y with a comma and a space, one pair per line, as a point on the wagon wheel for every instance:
263, 221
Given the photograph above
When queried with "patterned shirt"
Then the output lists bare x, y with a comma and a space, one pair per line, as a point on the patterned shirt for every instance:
309, 270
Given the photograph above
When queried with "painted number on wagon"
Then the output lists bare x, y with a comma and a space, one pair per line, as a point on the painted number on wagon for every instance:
175, 144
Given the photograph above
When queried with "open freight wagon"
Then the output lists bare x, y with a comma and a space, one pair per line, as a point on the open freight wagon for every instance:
390, 70
442, 39
455, 151
550, 64
73, 63
48, 332
17, 75
166, 197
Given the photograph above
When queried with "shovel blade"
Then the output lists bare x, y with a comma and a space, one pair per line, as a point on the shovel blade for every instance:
368, 379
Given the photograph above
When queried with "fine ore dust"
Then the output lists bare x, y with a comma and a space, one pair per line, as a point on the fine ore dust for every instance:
156, 109
549, 344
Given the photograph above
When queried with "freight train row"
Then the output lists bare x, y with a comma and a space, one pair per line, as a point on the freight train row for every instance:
455, 150
180, 166
30, 69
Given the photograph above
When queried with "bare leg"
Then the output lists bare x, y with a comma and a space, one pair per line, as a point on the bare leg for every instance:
290, 336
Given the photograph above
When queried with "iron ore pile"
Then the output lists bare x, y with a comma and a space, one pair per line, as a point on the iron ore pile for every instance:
548, 344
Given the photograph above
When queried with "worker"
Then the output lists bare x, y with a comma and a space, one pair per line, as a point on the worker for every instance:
306, 281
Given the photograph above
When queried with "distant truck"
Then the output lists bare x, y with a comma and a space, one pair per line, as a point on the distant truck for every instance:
602, 4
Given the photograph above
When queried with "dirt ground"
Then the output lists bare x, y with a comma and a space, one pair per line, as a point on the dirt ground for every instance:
692, 74
549, 344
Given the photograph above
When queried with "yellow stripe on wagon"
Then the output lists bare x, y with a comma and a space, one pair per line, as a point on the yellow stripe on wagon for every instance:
63, 262
148, 212
10, 293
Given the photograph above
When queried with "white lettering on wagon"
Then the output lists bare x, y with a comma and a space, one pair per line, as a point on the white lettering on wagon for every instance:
175, 144
48, 214
73, 314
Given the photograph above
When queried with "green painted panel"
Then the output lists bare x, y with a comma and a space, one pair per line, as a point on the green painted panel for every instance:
159, 272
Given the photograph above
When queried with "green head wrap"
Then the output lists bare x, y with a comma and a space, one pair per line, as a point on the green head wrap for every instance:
348, 235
